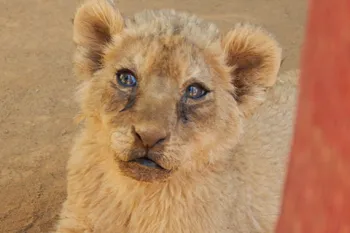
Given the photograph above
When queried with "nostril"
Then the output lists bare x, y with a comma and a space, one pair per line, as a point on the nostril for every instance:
138, 136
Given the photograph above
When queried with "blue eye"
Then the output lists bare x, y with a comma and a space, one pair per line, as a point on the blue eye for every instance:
126, 78
196, 91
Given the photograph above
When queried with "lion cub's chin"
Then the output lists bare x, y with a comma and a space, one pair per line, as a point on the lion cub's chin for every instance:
144, 169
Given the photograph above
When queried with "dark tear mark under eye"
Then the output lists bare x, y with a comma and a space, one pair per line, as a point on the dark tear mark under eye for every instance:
131, 99
185, 110
120, 95
182, 109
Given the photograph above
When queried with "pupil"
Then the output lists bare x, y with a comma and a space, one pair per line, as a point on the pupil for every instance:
127, 79
193, 91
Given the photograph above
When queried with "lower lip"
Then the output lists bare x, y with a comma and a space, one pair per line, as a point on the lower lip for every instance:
147, 163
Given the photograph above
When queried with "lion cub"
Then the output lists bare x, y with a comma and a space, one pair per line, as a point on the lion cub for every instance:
165, 100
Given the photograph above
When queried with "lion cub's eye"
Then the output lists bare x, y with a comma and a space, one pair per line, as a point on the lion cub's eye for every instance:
126, 78
195, 91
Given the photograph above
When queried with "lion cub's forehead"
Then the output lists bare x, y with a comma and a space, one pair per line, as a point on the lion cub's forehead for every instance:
173, 58
171, 22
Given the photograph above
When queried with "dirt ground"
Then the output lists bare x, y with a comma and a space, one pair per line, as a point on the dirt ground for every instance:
37, 86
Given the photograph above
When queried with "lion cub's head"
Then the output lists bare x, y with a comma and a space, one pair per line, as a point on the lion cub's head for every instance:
164, 91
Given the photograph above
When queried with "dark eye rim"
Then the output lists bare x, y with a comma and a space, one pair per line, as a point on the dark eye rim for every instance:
204, 89
125, 71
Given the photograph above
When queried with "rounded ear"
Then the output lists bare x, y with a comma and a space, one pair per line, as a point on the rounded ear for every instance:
95, 23
254, 57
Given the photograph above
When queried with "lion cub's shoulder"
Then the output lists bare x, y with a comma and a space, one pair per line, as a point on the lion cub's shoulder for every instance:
275, 117
262, 152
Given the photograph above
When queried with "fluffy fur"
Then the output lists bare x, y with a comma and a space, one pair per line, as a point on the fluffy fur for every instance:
222, 156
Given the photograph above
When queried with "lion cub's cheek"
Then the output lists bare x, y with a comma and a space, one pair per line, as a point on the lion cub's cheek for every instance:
122, 142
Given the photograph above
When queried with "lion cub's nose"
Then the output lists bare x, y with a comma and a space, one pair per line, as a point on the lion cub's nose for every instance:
150, 136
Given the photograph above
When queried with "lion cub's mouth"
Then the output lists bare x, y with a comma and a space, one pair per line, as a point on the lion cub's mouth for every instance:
144, 169
147, 162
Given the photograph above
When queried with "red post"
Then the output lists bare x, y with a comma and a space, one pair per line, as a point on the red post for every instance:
317, 191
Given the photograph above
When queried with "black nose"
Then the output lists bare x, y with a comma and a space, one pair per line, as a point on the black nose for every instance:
150, 136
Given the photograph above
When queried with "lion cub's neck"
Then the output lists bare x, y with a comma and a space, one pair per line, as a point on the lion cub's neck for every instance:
172, 206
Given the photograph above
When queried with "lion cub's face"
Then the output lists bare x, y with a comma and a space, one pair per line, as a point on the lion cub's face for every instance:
164, 102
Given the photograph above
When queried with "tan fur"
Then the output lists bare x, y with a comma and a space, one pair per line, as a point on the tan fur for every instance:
222, 164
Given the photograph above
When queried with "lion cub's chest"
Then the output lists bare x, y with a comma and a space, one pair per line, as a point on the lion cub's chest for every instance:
163, 212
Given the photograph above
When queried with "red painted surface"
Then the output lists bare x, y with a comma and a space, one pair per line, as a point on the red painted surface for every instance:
317, 192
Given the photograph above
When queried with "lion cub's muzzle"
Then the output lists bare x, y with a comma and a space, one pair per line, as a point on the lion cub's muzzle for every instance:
146, 161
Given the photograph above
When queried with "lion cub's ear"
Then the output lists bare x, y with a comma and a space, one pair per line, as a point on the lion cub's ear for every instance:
95, 23
254, 58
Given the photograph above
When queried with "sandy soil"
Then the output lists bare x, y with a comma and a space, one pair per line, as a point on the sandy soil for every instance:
37, 86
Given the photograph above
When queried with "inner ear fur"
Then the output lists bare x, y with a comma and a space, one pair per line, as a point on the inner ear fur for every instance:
254, 57
94, 25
